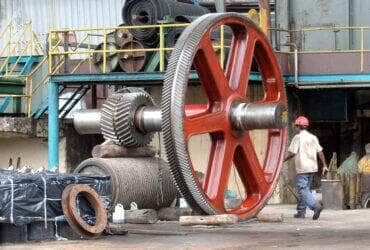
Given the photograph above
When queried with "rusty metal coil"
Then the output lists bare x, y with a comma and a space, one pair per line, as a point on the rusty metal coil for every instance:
71, 211
122, 36
133, 61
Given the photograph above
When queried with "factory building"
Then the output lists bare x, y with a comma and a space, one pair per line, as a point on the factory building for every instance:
188, 105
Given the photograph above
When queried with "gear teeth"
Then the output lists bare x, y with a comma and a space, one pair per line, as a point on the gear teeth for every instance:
118, 115
173, 102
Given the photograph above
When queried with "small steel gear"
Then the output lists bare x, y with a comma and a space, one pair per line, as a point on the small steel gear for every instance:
117, 120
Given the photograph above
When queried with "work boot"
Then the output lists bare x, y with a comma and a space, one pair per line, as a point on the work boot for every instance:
299, 216
317, 212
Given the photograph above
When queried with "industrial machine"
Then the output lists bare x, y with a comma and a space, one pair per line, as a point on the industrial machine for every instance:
130, 118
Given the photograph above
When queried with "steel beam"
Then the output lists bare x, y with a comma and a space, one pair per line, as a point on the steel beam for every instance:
141, 78
332, 80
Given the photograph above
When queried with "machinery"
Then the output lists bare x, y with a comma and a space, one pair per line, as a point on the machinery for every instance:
130, 118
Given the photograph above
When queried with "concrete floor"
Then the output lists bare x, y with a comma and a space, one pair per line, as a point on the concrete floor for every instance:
348, 229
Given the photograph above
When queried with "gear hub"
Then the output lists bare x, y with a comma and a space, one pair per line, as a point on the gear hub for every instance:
118, 119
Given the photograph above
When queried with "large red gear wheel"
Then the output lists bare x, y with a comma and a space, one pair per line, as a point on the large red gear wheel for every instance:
223, 88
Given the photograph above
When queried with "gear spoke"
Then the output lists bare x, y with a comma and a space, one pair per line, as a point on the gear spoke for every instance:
210, 72
275, 142
240, 62
250, 168
273, 86
205, 123
218, 171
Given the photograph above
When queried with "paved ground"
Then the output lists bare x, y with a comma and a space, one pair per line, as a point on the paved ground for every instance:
334, 230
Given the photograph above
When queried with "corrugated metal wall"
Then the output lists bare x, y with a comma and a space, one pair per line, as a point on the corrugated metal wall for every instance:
315, 13
46, 14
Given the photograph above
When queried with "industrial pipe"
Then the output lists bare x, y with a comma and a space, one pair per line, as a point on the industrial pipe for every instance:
220, 6
296, 66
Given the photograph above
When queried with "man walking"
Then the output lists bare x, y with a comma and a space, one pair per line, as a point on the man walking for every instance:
304, 148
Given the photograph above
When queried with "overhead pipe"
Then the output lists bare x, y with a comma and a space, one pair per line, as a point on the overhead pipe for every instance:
296, 66
220, 6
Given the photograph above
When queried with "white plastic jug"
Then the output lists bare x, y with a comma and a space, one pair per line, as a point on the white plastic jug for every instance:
119, 214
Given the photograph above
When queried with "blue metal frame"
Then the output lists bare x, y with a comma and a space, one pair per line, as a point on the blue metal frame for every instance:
141, 78
153, 78
5, 103
337, 79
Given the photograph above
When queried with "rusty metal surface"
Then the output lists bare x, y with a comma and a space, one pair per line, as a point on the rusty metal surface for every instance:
122, 36
324, 63
131, 62
71, 212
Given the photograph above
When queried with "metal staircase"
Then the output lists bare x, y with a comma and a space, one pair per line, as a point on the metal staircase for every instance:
77, 94
19, 67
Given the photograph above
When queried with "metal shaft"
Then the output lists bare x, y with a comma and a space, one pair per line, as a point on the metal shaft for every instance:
248, 116
148, 119
244, 116
87, 121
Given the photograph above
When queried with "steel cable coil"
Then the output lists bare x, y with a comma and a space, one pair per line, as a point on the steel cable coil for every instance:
148, 12
146, 181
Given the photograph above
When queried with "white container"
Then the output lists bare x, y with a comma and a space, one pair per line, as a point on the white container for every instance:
119, 214
183, 203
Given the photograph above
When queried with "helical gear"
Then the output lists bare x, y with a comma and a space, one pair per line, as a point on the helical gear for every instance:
117, 118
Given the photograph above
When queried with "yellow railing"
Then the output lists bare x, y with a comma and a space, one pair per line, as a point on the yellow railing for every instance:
57, 44
88, 33
24, 42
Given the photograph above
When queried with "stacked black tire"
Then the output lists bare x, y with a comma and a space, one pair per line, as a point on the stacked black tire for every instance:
150, 12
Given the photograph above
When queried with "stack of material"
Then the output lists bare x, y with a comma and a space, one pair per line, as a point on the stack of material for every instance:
27, 198
142, 12
150, 12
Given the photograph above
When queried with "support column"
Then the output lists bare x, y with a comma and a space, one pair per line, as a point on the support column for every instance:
53, 126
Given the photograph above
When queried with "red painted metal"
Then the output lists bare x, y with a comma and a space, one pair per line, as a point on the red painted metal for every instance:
223, 88
195, 109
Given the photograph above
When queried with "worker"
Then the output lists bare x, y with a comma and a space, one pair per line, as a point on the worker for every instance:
364, 163
304, 148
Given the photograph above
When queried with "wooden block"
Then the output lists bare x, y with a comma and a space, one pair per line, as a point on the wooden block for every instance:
222, 219
269, 217
141, 216
111, 150
122, 229
173, 213
116, 229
